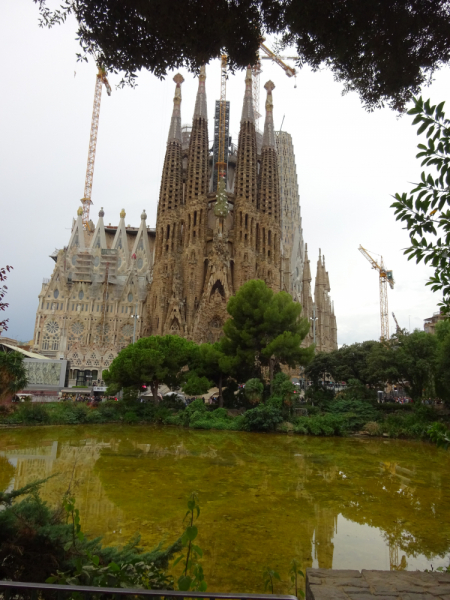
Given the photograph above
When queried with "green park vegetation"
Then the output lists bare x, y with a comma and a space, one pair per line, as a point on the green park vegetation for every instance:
264, 335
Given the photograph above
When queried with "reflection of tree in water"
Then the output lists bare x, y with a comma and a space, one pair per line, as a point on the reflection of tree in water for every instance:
264, 498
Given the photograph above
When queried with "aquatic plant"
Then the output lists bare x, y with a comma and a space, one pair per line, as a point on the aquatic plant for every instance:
192, 577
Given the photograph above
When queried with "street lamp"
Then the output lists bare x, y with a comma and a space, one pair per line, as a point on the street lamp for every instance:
314, 319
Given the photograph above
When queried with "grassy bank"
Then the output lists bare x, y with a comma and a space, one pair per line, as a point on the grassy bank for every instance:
326, 416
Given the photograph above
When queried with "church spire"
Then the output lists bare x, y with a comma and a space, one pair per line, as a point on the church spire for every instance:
197, 170
247, 108
200, 102
170, 193
175, 123
269, 133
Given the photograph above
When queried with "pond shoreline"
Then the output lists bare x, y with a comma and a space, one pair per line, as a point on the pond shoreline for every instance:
358, 435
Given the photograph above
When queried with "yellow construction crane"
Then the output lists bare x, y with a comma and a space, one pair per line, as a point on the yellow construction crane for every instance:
385, 278
396, 324
86, 200
290, 72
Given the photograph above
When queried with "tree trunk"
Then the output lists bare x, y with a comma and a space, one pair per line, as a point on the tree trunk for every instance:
220, 392
271, 364
154, 388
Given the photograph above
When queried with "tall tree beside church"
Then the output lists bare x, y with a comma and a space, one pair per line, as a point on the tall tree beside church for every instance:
265, 329
382, 49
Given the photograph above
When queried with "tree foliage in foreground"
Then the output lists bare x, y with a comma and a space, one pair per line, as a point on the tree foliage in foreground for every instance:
382, 49
426, 209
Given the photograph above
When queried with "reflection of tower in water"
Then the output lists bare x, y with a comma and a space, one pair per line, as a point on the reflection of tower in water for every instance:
71, 466
324, 531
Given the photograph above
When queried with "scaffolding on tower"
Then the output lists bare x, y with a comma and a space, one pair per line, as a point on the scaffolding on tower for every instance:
221, 164
86, 201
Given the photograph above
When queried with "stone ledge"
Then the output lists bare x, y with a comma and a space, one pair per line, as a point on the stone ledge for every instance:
328, 584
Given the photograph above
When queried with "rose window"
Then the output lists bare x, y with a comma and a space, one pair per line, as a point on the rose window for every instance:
52, 327
77, 328
127, 330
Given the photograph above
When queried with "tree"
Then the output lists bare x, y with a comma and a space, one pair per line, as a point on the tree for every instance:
426, 209
3, 291
383, 49
216, 365
254, 389
153, 361
443, 360
265, 329
409, 359
13, 375
349, 362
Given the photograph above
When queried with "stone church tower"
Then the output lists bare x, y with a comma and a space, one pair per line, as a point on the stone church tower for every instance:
209, 242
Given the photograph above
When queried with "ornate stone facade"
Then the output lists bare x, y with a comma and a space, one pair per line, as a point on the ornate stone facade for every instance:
215, 240
207, 243
101, 278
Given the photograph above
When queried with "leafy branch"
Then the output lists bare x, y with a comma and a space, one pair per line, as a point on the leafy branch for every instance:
426, 209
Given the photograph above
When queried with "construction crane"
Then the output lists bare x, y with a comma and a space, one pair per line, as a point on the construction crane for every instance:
221, 164
86, 200
396, 324
385, 278
290, 72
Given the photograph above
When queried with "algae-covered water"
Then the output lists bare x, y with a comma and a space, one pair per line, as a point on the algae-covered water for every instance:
265, 499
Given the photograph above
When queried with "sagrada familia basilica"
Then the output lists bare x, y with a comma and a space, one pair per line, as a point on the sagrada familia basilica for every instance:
211, 236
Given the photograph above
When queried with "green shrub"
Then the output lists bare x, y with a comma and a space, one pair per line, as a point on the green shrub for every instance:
130, 417
356, 412
312, 410
262, 418
327, 425
31, 414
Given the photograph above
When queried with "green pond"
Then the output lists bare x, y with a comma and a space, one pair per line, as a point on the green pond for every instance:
330, 502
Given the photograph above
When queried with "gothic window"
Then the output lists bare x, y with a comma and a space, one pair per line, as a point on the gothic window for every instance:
104, 329
140, 263
119, 262
74, 260
130, 297
119, 242
77, 328
127, 330
96, 261
52, 327
141, 244
55, 294
81, 295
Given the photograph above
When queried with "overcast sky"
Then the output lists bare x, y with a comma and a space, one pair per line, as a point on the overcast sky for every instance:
349, 163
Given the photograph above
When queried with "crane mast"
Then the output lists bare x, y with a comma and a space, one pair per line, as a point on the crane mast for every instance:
385, 277
86, 201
